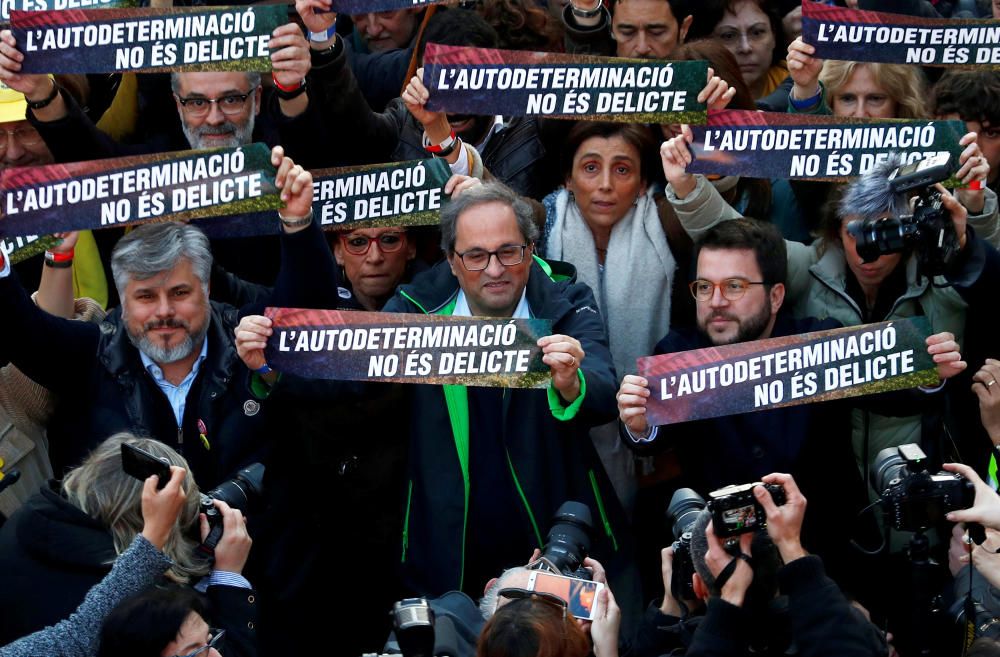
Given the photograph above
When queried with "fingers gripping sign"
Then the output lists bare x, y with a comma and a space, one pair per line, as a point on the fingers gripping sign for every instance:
564, 355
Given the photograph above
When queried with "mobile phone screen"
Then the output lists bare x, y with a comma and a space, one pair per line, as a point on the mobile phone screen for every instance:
580, 594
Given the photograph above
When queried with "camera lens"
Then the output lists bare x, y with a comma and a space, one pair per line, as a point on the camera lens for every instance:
878, 237
242, 491
887, 467
684, 507
568, 542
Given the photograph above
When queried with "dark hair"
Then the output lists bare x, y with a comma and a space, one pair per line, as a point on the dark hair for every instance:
681, 9
973, 95
458, 27
766, 562
491, 192
523, 25
710, 13
145, 624
762, 238
634, 134
532, 628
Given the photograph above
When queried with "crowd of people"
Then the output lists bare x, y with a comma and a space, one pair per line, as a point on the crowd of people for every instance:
336, 499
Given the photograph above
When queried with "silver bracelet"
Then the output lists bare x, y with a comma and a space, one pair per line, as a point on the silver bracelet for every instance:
587, 13
296, 223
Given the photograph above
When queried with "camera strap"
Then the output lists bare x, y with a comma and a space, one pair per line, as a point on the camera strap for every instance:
730, 568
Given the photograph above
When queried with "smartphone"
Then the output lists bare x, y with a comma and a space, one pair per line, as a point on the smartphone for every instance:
580, 594
141, 464
921, 173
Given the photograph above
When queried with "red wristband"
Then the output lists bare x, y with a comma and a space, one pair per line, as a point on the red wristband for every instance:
448, 143
52, 256
284, 88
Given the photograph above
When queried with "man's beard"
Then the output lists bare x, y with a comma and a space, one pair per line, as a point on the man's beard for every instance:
241, 135
751, 328
161, 354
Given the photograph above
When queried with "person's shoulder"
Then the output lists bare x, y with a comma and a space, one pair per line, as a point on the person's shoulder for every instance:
679, 339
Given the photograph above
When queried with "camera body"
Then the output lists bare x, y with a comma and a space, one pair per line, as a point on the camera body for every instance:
242, 492
736, 511
685, 505
912, 498
568, 542
929, 231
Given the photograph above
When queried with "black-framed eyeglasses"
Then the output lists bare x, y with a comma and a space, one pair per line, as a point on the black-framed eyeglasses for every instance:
732, 288
214, 641
198, 106
26, 135
544, 596
359, 244
479, 259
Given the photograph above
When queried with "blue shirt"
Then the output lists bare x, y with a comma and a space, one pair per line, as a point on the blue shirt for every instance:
176, 395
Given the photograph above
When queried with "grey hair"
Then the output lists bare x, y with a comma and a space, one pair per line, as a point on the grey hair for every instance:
491, 192
488, 603
699, 548
870, 196
156, 248
252, 77
100, 488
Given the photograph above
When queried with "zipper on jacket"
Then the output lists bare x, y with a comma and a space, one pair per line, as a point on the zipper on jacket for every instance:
406, 521
602, 511
524, 500
180, 436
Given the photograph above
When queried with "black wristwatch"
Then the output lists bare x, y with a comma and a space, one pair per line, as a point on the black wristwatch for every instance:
294, 93
44, 102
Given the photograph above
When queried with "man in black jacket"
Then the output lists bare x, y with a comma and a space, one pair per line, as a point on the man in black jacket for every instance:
164, 365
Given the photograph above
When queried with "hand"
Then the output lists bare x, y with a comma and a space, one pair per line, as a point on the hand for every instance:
459, 183
251, 338
296, 187
959, 215
791, 24
563, 355
290, 59
316, 14
986, 506
986, 388
669, 606
986, 560
784, 523
676, 156
973, 166
67, 242
416, 97
604, 629
717, 93
35, 86
958, 550
233, 548
804, 69
717, 558
632, 397
597, 572
944, 350
161, 508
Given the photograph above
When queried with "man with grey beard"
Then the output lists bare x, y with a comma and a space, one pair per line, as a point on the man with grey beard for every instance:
164, 365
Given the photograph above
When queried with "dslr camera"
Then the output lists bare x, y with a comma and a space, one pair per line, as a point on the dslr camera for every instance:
568, 542
685, 505
929, 231
736, 511
912, 498
244, 492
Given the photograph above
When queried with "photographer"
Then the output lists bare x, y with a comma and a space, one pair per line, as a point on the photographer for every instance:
740, 594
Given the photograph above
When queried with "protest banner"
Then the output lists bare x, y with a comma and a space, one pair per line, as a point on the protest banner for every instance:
345, 198
7, 6
408, 348
354, 7
796, 369
870, 36
21, 248
516, 83
132, 190
810, 147
143, 39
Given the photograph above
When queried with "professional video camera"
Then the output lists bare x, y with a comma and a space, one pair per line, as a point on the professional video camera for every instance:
736, 511
929, 231
912, 498
568, 542
685, 505
243, 492
418, 632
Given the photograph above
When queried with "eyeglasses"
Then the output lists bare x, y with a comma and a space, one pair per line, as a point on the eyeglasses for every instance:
26, 135
731, 288
214, 641
525, 594
479, 259
199, 107
359, 244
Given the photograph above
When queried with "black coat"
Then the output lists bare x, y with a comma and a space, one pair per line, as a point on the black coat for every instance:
103, 387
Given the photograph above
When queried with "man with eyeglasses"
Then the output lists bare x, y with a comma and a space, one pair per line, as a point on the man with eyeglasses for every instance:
645, 29
490, 466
